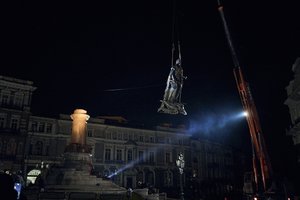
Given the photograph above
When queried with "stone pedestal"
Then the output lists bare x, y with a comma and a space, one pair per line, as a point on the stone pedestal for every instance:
74, 175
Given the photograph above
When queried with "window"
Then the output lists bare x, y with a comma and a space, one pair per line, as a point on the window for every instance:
180, 141
168, 157
168, 141
39, 148
41, 127
107, 154
119, 136
2, 120
125, 136
14, 123
141, 156
20, 148
5, 97
151, 157
47, 150
34, 126
11, 147
152, 139
49, 128
119, 154
90, 133
129, 155
18, 100
141, 138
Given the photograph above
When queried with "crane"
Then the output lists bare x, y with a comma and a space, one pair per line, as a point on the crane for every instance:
262, 169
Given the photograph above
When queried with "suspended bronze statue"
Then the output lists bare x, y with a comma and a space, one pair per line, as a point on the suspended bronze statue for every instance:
171, 103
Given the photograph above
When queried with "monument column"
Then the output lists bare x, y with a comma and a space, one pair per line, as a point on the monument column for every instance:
79, 129
77, 152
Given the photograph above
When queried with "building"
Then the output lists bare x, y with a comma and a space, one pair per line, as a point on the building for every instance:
293, 103
130, 156
15, 101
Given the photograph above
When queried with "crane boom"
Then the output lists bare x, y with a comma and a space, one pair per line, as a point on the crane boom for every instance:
259, 152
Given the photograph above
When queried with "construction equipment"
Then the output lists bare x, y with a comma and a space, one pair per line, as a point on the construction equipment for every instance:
259, 181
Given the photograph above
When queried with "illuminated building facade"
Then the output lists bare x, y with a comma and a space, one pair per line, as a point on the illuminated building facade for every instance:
130, 156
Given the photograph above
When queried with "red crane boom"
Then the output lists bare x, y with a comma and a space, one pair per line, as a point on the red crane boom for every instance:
263, 173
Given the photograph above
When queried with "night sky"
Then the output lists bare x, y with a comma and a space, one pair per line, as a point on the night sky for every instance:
76, 52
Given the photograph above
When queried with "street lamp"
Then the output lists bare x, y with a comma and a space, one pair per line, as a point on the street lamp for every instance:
180, 165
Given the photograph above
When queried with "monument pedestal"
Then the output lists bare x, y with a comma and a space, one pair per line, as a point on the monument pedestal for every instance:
74, 176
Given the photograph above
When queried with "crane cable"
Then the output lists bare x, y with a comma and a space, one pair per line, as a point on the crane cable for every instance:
174, 30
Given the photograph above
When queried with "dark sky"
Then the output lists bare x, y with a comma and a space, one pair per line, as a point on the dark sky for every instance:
74, 51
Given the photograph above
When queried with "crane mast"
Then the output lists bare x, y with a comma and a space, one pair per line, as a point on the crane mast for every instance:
263, 173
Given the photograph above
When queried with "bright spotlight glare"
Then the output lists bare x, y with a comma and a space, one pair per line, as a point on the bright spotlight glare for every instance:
245, 114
